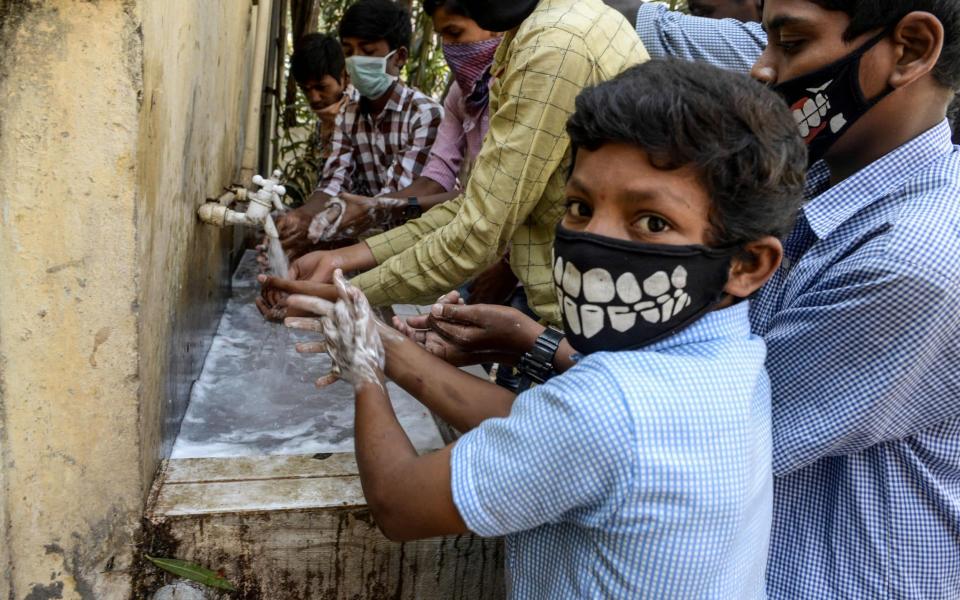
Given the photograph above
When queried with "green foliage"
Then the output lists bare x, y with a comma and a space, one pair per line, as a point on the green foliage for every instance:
182, 568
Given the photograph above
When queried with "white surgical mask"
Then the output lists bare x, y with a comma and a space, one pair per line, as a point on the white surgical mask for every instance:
369, 74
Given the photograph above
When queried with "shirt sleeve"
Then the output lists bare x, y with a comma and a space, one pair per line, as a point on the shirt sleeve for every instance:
525, 145
446, 157
395, 241
339, 166
559, 450
725, 43
854, 361
408, 164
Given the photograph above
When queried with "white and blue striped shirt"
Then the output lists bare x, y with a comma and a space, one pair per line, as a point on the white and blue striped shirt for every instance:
863, 326
639, 474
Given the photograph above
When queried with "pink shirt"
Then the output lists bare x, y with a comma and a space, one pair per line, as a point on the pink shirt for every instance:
460, 138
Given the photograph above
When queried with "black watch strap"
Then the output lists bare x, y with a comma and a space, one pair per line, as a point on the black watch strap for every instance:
413, 209
537, 364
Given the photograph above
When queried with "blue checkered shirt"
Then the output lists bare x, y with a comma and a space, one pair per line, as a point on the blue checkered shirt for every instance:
637, 474
726, 43
862, 325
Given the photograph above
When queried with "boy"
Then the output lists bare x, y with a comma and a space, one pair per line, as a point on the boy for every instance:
385, 136
468, 50
861, 323
643, 472
514, 197
318, 67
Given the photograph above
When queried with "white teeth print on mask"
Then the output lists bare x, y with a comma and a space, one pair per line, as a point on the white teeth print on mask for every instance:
591, 319
657, 284
658, 300
620, 295
598, 286
679, 277
628, 289
622, 318
573, 318
571, 280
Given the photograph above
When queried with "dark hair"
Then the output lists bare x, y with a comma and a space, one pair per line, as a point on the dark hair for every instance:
316, 55
737, 134
378, 20
454, 7
868, 15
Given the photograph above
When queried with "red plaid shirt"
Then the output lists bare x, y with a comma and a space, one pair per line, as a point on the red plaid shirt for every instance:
373, 156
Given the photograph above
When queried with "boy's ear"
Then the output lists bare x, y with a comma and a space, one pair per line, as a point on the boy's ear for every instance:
753, 266
401, 56
919, 43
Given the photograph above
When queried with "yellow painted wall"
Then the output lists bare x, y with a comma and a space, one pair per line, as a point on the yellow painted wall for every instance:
117, 118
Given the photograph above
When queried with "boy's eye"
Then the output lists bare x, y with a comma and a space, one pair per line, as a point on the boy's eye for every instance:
578, 209
652, 224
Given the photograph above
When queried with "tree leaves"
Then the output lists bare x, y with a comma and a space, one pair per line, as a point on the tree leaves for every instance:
182, 568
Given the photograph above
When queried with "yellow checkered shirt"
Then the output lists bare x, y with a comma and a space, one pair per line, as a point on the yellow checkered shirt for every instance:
515, 196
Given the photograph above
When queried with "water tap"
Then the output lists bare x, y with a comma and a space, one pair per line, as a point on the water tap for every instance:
262, 201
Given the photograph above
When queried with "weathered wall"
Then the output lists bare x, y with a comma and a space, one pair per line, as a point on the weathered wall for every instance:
116, 119
196, 62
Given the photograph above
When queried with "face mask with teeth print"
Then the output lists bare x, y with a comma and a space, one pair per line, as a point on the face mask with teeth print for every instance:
826, 102
622, 295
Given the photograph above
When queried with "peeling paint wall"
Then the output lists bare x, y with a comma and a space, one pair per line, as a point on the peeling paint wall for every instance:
117, 118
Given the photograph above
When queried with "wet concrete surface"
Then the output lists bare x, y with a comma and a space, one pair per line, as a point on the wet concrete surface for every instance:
256, 396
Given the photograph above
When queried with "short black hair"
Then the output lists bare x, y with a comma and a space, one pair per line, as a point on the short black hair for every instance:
378, 20
737, 134
454, 7
316, 55
868, 15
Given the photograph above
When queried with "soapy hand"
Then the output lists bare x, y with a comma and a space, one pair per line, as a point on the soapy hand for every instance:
351, 334
293, 227
349, 215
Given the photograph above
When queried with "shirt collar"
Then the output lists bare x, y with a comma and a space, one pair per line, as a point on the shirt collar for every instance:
397, 94
722, 323
829, 208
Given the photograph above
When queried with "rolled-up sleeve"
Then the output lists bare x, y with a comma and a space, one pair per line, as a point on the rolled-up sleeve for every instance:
725, 43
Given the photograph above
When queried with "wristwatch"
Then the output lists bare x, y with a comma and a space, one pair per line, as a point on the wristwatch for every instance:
537, 364
413, 209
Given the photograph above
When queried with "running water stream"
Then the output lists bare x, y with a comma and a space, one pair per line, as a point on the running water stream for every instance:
276, 257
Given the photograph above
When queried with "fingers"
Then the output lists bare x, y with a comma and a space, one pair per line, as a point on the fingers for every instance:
311, 348
328, 379
460, 313
318, 306
417, 322
270, 313
458, 334
304, 324
343, 286
293, 286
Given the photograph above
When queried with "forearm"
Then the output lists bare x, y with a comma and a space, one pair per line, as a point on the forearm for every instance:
410, 496
315, 203
462, 400
421, 187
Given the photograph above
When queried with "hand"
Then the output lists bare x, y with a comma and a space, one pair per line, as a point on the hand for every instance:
272, 302
485, 329
495, 285
363, 213
350, 329
411, 325
293, 227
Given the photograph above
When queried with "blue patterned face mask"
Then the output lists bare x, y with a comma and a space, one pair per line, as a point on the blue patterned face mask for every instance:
369, 75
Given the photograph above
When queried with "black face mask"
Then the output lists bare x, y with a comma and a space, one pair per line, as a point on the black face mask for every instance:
499, 15
621, 295
828, 101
